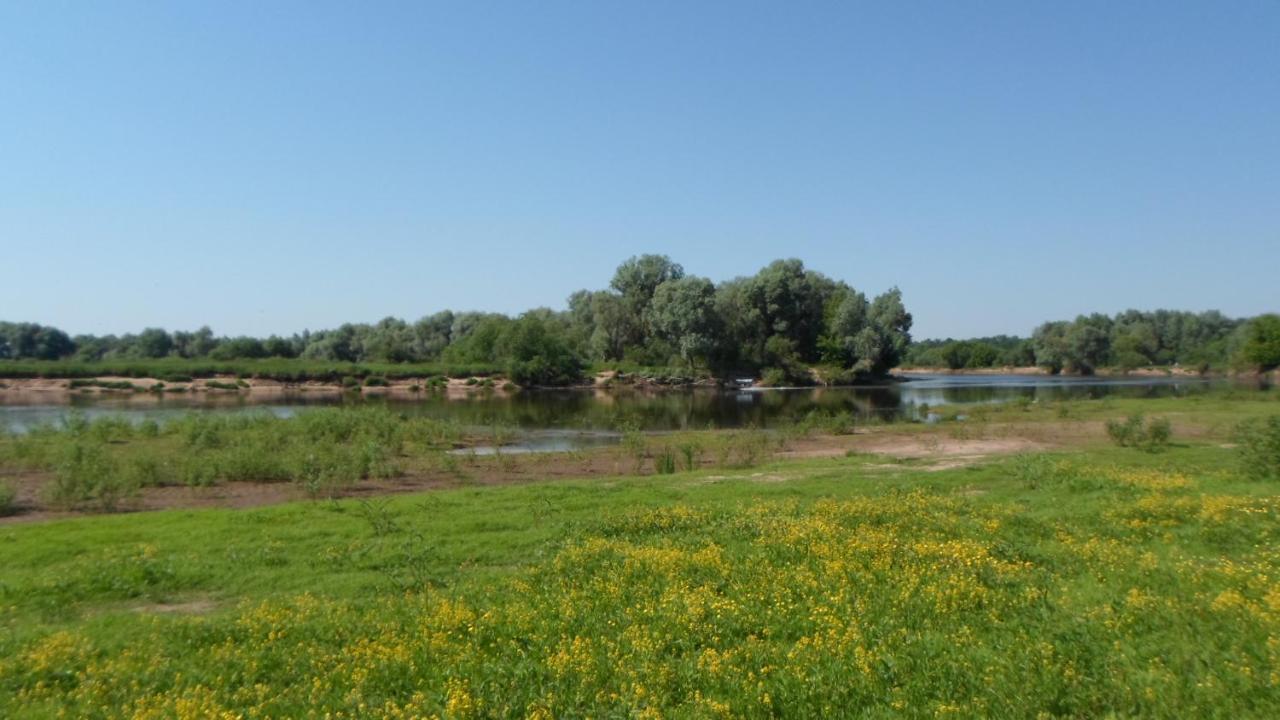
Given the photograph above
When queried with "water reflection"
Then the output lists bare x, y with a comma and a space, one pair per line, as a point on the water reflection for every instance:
592, 410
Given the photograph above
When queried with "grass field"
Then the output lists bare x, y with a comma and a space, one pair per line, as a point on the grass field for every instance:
1091, 581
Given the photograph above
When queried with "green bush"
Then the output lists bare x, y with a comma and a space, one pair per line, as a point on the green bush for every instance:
86, 476
197, 472
1259, 448
146, 471
8, 499
664, 462
1136, 432
373, 381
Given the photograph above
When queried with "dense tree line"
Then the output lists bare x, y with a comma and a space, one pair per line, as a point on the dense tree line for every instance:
986, 352
1129, 340
780, 321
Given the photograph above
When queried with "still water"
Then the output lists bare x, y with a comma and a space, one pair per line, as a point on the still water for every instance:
559, 419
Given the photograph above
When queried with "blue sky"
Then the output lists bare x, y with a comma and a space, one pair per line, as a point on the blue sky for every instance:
270, 167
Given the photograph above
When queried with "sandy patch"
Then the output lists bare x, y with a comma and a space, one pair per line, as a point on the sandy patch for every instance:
189, 607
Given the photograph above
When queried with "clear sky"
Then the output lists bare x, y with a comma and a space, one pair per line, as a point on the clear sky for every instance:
273, 166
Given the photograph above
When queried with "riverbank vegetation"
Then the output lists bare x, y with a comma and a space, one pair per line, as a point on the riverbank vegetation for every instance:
778, 322
1079, 580
1199, 342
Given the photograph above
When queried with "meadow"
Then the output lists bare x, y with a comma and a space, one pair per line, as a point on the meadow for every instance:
1090, 578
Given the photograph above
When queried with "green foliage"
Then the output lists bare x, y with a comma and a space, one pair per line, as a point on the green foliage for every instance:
1262, 342
86, 476
682, 314
537, 353
1047, 584
664, 461
8, 499
376, 382
1259, 448
1136, 432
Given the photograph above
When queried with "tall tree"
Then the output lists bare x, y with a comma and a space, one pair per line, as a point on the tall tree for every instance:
683, 314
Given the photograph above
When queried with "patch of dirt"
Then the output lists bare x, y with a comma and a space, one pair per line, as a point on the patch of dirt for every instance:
201, 606
908, 446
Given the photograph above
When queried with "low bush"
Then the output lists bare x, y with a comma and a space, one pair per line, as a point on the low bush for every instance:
1136, 432
664, 462
1259, 448
87, 477
8, 499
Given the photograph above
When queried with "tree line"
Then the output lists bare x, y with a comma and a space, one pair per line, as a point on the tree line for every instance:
778, 323
1129, 340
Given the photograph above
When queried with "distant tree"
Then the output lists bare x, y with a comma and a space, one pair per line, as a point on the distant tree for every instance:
785, 300
202, 342
535, 351
611, 326
432, 334
848, 319
1089, 343
1262, 342
1051, 347
276, 346
153, 343
391, 340
239, 348
889, 321
636, 280
481, 343
683, 314
1019, 354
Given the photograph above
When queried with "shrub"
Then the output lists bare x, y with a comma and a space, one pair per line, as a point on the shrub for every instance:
252, 462
376, 382
86, 475
8, 499
1135, 432
146, 471
691, 451
349, 381
664, 463
217, 385
1259, 448
197, 472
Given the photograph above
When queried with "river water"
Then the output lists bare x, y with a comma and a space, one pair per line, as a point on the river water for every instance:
585, 416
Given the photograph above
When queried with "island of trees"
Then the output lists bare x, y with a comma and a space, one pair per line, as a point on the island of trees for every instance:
779, 324
786, 324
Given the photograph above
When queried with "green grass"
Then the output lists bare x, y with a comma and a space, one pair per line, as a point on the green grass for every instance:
281, 369
1106, 581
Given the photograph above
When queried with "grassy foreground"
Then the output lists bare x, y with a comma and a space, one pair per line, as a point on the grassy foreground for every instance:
1105, 581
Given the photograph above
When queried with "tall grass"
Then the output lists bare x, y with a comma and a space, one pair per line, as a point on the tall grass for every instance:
100, 464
